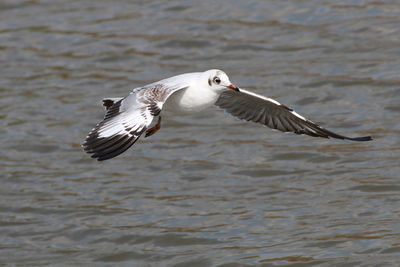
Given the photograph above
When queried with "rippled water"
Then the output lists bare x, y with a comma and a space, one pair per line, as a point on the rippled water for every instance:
206, 190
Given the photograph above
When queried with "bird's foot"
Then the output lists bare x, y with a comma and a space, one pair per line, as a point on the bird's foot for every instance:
154, 129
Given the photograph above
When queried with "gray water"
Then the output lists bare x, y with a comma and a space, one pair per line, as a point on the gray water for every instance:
206, 190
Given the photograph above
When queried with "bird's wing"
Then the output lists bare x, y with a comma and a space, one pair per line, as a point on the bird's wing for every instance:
249, 106
126, 119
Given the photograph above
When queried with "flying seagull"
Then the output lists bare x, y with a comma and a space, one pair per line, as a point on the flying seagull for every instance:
127, 118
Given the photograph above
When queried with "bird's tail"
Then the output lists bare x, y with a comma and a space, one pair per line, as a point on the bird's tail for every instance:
108, 102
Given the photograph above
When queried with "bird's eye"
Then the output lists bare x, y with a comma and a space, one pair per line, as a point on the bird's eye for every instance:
217, 80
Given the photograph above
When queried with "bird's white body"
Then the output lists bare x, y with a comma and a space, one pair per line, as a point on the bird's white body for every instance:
189, 101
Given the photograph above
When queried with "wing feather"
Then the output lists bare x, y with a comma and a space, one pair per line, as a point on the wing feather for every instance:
249, 106
126, 119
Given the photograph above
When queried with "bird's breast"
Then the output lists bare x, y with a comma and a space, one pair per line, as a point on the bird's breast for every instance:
189, 101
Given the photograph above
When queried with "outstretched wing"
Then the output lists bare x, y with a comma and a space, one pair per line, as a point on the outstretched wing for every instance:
249, 106
126, 119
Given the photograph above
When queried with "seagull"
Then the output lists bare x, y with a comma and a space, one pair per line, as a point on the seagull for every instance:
127, 118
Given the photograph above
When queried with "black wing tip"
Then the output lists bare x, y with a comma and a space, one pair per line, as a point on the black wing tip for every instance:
362, 138
103, 148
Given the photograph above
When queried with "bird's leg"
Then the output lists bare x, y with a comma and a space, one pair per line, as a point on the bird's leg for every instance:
154, 129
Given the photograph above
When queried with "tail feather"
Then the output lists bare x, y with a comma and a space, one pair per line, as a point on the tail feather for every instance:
108, 102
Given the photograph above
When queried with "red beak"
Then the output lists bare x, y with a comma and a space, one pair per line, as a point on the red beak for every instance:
233, 87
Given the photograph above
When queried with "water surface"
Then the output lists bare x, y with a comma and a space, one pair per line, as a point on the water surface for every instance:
206, 190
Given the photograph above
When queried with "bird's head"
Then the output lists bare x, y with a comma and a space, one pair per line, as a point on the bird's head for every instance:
219, 81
